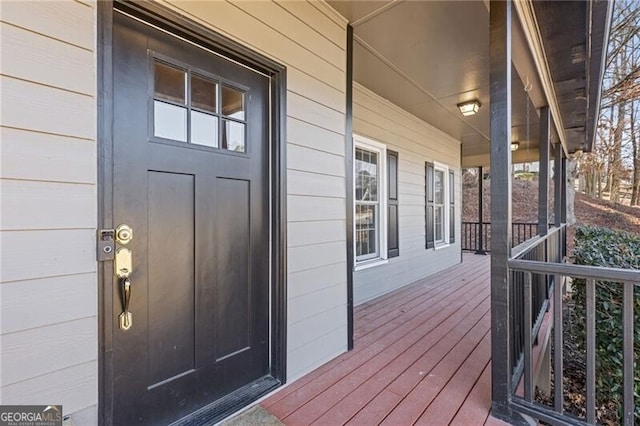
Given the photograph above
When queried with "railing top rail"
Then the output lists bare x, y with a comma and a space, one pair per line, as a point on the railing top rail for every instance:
576, 271
521, 249
512, 223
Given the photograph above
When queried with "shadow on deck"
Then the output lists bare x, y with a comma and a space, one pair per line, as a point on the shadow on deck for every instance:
422, 356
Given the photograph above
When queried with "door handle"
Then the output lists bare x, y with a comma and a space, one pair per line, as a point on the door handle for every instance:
123, 268
125, 319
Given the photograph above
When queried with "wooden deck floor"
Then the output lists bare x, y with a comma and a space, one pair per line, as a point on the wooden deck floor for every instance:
422, 356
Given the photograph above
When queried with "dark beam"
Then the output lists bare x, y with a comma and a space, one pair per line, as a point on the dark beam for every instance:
557, 185
563, 197
348, 137
500, 96
480, 213
543, 174
563, 204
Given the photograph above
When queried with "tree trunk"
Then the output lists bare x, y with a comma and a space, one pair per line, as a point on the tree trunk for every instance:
616, 156
609, 157
571, 192
635, 184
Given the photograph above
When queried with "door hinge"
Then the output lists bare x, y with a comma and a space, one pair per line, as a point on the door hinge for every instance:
106, 245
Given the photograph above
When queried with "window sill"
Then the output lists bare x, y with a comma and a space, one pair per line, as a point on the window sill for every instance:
442, 246
370, 264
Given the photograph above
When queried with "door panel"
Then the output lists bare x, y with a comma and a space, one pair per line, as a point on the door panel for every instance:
233, 239
191, 177
170, 295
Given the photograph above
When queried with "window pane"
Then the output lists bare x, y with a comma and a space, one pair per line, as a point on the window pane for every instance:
204, 129
366, 234
232, 103
233, 136
439, 186
439, 216
366, 165
170, 83
203, 93
169, 121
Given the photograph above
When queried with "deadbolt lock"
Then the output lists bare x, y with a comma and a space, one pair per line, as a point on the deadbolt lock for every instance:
124, 234
123, 266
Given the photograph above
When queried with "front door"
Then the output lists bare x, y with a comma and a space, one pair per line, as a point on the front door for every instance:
191, 179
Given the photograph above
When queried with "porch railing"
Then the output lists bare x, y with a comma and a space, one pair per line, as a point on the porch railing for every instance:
537, 269
547, 248
471, 241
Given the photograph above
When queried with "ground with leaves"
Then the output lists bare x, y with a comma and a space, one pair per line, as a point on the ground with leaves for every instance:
524, 201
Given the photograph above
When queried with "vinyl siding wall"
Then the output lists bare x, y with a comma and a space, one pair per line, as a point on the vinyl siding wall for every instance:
416, 142
48, 282
309, 38
49, 339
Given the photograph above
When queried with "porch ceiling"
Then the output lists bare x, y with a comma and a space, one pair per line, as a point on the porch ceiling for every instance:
428, 56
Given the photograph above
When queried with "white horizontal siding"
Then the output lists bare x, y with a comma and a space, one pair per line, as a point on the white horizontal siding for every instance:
306, 306
302, 208
318, 232
75, 388
35, 57
318, 351
48, 283
33, 106
323, 163
53, 347
228, 18
41, 302
49, 157
310, 136
47, 205
314, 256
309, 39
416, 142
67, 21
43, 253
310, 280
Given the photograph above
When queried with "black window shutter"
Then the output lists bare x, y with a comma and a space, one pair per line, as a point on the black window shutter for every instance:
393, 243
429, 214
452, 207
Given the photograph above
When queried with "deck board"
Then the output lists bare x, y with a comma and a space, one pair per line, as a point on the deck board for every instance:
421, 356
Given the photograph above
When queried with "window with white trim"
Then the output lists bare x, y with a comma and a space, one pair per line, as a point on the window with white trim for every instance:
370, 202
440, 205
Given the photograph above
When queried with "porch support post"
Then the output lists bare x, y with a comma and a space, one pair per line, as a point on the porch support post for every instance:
557, 185
348, 139
500, 92
480, 214
563, 204
543, 174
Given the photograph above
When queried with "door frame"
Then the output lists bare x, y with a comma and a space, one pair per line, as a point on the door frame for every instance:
185, 28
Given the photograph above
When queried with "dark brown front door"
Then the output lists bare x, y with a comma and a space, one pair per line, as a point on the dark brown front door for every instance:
191, 178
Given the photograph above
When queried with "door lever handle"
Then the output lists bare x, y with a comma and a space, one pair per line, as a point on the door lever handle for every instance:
123, 268
126, 317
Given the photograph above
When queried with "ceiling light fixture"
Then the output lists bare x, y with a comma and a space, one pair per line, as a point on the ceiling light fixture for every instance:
515, 146
469, 108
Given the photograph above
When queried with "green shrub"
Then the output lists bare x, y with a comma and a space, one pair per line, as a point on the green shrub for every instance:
605, 247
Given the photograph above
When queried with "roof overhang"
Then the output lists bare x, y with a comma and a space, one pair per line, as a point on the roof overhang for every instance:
568, 41
428, 56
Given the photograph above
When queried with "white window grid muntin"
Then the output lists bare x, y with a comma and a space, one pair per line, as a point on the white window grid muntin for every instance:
381, 219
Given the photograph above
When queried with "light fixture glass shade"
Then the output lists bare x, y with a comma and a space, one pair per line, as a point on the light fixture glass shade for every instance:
515, 146
469, 108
